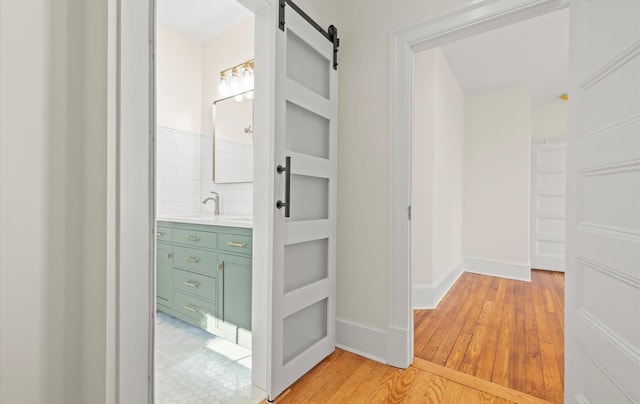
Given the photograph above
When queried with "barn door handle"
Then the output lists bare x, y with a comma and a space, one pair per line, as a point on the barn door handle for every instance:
287, 186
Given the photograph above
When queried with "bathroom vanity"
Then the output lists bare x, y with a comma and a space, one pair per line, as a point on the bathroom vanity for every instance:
203, 273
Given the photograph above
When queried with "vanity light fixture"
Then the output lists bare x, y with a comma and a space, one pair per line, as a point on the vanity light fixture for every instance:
237, 81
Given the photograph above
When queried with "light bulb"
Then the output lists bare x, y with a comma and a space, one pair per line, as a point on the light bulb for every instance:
238, 98
223, 86
247, 78
249, 95
234, 82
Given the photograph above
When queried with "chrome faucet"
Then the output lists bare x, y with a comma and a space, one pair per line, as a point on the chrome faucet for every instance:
216, 201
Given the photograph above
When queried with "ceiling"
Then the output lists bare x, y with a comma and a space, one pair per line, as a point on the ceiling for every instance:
534, 52
200, 20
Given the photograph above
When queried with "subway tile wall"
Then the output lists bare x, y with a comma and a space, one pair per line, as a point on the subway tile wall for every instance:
184, 174
177, 172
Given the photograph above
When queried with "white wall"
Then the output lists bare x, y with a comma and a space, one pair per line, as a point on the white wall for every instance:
179, 81
448, 170
363, 151
53, 201
496, 177
437, 172
548, 121
422, 167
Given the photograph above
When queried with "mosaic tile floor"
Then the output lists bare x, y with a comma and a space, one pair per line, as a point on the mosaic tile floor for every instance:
193, 366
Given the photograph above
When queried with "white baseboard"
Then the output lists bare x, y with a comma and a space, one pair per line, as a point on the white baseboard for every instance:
502, 269
362, 340
429, 296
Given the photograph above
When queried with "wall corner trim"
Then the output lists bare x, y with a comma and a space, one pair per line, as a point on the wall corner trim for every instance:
503, 269
400, 346
362, 340
427, 297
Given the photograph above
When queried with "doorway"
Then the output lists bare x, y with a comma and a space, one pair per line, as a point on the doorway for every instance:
478, 108
204, 185
405, 44
136, 217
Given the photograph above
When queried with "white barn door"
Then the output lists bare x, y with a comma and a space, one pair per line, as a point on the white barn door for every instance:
302, 315
548, 200
603, 204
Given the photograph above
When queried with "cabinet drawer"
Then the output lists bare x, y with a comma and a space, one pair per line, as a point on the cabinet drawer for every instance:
197, 309
235, 243
195, 260
200, 285
196, 238
163, 234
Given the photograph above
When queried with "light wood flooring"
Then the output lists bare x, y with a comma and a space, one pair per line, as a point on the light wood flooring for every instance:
490, 340
505, 331
344, 377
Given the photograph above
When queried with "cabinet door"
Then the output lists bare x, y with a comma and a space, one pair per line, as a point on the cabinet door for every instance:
164, 264
235, 290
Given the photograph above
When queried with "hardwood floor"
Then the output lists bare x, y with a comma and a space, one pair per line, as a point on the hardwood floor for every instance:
504, 331
491, 340
344, 377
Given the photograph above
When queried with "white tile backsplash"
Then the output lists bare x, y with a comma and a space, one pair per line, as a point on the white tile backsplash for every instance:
177, 172
184, 172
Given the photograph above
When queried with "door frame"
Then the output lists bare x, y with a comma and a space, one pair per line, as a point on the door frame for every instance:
455, 25
131, 284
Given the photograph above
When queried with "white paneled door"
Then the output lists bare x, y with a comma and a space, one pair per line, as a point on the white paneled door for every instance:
548, 200
603, 204
302, 315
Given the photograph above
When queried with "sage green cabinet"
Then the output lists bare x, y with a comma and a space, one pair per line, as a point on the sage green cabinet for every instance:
203, 277
234, 283
164, 266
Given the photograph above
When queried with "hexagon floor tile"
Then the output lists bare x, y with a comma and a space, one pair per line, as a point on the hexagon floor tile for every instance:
189, 371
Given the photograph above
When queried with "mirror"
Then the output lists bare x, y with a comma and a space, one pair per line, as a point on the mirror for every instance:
233, 140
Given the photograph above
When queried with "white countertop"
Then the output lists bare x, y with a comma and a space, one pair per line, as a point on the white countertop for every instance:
222, 220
